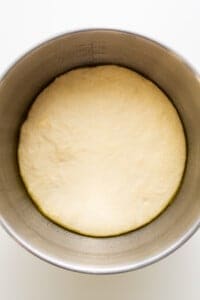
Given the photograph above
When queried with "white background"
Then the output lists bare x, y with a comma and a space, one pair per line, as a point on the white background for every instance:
23, 24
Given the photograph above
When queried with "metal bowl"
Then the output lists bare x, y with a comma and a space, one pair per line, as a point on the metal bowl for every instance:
19, 216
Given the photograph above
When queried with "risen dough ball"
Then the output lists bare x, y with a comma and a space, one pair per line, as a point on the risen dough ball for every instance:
102, 151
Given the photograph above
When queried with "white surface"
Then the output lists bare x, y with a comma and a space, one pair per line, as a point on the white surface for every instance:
23, 24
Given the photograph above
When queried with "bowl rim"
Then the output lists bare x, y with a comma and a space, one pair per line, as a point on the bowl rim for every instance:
85, 268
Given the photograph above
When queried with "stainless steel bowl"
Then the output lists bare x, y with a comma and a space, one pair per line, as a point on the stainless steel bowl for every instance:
18, 89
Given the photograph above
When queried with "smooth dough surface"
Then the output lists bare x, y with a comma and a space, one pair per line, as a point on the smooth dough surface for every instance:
102, 151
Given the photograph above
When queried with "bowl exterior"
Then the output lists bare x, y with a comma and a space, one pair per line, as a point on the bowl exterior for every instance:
18, 88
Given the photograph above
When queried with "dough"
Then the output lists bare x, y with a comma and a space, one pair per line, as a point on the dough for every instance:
102, 151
